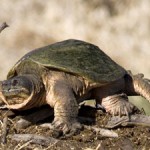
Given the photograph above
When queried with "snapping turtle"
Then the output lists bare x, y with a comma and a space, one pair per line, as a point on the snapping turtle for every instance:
66, 73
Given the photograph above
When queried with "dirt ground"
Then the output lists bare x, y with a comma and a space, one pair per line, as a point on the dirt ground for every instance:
129, 138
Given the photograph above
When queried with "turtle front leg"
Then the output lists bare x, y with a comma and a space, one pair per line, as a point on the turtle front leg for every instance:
61, 97
118, 104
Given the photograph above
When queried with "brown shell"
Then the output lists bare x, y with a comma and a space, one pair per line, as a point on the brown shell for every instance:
76, 57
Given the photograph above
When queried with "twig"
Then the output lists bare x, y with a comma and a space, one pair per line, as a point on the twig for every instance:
100, 146
102, 132
36, 139
135, 120
49, 147
4, 130
35, 117
18, 147
46, 125
3, 26
3, 107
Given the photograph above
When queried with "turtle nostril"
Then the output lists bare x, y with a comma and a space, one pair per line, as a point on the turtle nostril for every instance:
15, 82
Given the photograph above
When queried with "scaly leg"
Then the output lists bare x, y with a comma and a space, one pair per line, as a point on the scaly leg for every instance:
141, 85
117, 105
61, 97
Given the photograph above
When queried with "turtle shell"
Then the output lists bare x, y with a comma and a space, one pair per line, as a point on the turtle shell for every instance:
76, 57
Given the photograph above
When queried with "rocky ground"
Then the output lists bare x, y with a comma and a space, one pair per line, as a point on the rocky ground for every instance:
134, 137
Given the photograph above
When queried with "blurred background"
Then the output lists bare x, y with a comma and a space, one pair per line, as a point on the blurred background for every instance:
121, 28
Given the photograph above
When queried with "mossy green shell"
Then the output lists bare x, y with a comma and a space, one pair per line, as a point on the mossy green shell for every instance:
75, 57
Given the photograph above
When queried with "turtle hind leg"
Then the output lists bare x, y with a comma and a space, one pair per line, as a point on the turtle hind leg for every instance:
117, 105
138, 85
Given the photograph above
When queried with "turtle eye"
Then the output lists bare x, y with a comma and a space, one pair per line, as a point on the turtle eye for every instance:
14, 82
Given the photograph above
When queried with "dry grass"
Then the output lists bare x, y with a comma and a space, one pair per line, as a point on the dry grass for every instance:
121, 28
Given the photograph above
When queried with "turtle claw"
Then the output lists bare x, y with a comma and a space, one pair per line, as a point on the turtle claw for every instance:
118, 105
126, 108
66, 127
123, 109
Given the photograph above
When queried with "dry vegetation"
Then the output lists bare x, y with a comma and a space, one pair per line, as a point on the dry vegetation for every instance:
119, 27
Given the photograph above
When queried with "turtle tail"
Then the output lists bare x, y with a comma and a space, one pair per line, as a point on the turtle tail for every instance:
138, 85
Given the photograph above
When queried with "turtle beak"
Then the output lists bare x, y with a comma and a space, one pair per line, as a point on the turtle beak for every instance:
15, 87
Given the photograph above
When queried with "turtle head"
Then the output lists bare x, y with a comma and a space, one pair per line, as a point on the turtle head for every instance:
19, 87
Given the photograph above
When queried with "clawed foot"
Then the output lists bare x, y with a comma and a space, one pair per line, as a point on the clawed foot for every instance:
118, 105
65, 126
122, 108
